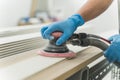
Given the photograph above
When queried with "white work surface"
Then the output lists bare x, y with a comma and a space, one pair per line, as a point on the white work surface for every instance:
18, 68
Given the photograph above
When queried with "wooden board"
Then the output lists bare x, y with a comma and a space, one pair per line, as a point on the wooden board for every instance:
66, 68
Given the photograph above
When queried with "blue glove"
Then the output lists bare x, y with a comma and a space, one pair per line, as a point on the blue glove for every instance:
67, 26
113, 51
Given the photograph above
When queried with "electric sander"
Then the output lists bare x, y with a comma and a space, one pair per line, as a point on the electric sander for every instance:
79, 39
53, 50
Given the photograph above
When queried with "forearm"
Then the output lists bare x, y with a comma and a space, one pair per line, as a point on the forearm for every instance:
93, 8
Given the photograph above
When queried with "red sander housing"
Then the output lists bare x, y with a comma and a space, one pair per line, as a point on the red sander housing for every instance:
53, 50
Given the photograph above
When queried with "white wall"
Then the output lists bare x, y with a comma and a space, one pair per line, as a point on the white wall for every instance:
42, 5
12, 10
65, 7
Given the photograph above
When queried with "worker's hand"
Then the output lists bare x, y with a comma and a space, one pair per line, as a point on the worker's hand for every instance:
67, 27
113, 51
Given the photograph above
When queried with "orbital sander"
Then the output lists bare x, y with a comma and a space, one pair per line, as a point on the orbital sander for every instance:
53, 50
80, 39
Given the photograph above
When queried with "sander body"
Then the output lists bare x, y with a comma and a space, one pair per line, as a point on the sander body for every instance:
77, 39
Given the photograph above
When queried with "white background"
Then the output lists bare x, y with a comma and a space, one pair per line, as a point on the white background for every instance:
12, 10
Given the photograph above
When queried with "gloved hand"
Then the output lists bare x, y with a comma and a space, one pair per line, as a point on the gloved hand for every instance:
113, 51
67, 27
